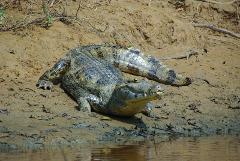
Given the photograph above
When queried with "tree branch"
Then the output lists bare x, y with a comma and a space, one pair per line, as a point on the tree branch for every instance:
216, 2
222, 30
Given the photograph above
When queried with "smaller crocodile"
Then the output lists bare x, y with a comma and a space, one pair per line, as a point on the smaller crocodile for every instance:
98, 85
133, 61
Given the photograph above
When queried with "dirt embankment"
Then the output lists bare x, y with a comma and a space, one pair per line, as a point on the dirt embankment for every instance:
32, 118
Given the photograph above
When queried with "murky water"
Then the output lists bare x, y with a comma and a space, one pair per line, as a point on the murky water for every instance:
183, 149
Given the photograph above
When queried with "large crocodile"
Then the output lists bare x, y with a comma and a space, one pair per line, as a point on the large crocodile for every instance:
96, 84
133, 61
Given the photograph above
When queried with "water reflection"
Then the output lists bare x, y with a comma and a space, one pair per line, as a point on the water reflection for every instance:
187, 149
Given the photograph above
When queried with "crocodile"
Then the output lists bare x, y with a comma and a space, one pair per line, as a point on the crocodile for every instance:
97, 85
133, 61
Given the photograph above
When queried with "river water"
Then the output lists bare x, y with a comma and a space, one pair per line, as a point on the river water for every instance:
217, 148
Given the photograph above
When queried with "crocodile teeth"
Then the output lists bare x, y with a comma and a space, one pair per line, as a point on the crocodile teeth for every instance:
159, 93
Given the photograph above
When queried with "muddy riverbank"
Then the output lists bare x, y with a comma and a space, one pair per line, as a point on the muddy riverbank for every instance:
34, 118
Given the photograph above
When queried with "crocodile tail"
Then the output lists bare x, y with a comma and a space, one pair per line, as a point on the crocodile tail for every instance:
162, 74
133, 61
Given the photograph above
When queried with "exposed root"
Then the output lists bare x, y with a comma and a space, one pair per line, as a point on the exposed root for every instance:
24, 24
222, 30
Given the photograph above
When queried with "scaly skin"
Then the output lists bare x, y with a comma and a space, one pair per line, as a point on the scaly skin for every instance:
133, 61
98, 85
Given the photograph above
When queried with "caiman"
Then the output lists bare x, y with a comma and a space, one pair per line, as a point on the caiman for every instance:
96, 84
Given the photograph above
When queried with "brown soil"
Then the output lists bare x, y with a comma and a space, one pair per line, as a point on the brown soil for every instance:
32, 118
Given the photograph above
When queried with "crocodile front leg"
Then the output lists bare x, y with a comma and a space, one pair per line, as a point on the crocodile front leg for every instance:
83, 104
89, 102
53, 74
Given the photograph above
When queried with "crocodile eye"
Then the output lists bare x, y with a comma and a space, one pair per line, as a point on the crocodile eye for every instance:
158, 87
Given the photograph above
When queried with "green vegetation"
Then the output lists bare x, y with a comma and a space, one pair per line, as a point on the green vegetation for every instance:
49, 17
49, 20
2, 15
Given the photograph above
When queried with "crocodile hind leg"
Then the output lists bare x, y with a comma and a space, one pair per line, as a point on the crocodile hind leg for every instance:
133, 61
53, 74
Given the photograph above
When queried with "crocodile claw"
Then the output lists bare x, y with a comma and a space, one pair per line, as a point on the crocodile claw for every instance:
44, 84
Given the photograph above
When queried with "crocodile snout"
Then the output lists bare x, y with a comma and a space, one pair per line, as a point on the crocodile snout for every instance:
156, 89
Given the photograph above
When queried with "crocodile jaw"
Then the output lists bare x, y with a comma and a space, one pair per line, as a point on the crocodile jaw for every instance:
136, 105
145, 98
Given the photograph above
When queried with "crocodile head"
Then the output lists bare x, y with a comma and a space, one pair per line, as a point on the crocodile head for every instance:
133, 97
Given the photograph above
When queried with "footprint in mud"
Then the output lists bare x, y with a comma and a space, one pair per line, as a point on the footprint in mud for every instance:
194, 107
232, 101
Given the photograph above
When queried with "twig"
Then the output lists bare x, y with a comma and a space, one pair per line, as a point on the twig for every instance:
237, 10
216, 2
183, 55
23, 24
42, 21
52, 2
79, 6
222, 30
